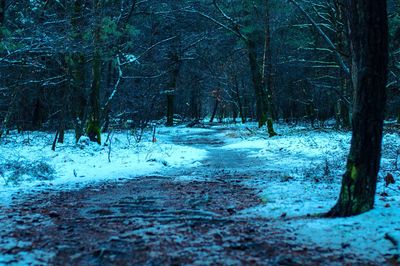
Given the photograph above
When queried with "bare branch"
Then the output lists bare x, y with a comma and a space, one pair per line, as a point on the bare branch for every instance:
339, 58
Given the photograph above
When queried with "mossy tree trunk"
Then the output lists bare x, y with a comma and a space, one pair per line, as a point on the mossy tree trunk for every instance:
369, 47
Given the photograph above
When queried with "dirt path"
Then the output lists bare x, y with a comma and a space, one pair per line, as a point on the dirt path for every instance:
153, 220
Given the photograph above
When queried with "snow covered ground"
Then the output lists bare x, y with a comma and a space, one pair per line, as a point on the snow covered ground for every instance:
302, 178
27, 162
297, 175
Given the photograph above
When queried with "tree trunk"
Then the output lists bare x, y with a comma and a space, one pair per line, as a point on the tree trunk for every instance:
262, 100
214, 110
239, 102
2, 14
369, 47
343, 108
94, 128
170, 109
76, 68
267, 74
172, 86
257, 83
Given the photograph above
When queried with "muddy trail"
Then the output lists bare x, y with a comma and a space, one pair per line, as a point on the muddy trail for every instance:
156, 220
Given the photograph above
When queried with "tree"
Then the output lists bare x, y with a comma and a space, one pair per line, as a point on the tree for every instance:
2, 12
94, 128
77, 70
368, 25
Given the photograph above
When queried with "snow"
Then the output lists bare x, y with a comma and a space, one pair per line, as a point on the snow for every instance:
76, 165
301, 180
297, 175
130, 58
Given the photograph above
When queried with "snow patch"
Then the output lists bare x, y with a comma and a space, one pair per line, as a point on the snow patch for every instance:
75, 165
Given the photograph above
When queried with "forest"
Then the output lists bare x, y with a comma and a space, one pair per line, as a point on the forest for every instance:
199, 132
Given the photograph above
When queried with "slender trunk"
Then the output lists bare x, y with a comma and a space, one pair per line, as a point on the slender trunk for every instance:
2, 15
76, 68
369, 47
344, 79
239, 101
106, 109
170, 109
53, 146
257, 83
93, 129
268, 72
79, 98
174, 57
214, 110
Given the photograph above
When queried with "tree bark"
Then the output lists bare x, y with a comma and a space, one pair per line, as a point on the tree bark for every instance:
170, 109
369, 47
2, 13
239, 101
257, 83
174, 57
94, 127
76, 69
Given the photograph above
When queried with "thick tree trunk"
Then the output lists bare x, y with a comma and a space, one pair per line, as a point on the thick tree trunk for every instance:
369, 47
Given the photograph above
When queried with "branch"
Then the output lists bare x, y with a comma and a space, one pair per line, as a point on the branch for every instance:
234, 31
236, 25
339, 58
116, 86
154, 45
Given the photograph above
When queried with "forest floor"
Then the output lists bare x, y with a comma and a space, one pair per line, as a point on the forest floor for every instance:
246, 199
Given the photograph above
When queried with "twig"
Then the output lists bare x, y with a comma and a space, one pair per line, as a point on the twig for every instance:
391, 239
339, 58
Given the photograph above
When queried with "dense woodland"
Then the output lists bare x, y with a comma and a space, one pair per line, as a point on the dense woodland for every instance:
89, 65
